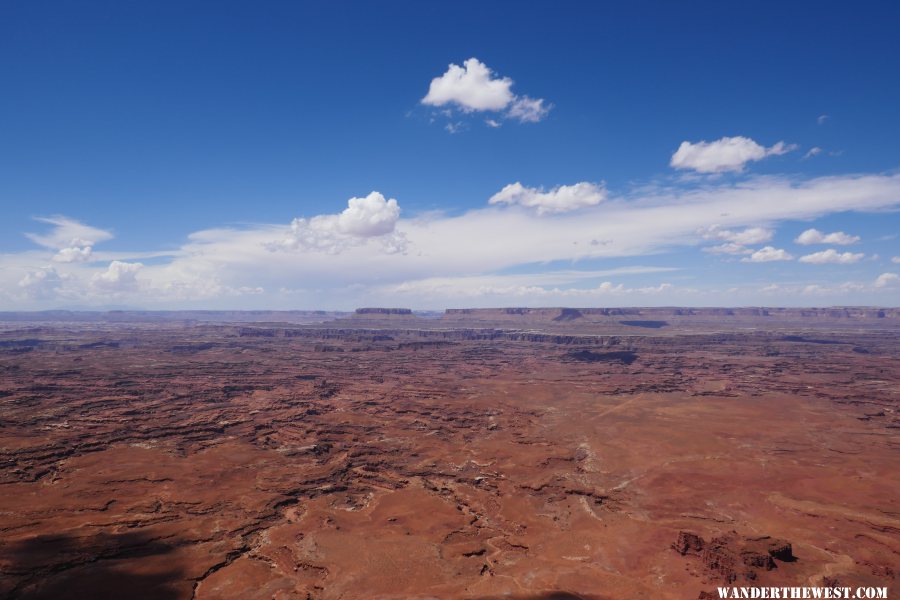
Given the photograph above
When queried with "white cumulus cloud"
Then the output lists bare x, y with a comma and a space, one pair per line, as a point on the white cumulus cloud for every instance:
832, 256
475, 87
369, 217
728, 248
726, 154
41, 283
74, 254
372, 215
750, 235
471, 87
814, 236
119, 276
768, 254
563, 198
886, 279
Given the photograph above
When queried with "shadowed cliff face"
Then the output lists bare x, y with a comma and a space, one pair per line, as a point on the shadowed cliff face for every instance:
261, 461
646, 324
99, 566
622, 356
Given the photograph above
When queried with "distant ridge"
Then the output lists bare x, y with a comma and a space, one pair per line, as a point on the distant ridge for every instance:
564, 317
384, 311
163, 316
661, 314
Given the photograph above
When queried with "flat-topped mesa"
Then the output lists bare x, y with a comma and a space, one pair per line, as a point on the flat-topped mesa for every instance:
407, 312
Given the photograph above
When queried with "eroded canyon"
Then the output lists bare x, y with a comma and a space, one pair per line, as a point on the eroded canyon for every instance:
553, 453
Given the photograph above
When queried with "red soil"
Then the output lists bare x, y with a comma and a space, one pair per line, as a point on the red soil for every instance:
458, 457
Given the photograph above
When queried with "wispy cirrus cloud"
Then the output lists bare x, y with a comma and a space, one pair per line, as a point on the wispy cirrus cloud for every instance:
351, 257
66, 232
499, 292
814, 151
73, 240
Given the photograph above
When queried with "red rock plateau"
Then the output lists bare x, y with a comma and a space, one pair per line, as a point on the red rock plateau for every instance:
515, 453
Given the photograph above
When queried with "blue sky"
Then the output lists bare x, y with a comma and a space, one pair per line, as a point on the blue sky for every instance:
204, 155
